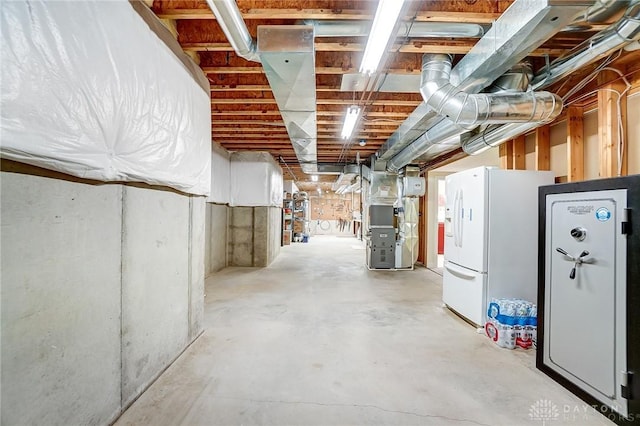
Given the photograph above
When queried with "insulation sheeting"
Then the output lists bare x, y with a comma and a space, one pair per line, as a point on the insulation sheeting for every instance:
89, 90
290, 187
256, 180
220, 176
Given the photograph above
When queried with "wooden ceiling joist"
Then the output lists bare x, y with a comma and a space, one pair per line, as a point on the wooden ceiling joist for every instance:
295, 14
319, 70
415, 46
245, 115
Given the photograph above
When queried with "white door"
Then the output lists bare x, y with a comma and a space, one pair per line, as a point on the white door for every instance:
585, 318
465, 225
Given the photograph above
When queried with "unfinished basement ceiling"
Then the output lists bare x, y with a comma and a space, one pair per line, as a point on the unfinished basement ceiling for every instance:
245, 115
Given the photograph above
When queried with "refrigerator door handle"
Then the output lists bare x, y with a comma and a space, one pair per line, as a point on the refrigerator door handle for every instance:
456, 219
458, 271
461, 203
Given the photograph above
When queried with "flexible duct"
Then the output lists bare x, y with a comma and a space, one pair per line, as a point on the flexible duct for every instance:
471, 109
618, 35
230, 20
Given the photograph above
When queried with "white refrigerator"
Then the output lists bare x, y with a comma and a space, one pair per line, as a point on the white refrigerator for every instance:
491, 238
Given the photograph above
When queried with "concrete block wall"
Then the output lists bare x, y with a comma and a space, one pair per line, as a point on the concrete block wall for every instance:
102, 288
61, 292
253, 235
216, 237
155, 274
197, 272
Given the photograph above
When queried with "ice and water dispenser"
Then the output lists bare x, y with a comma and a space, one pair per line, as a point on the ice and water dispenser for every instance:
589, 291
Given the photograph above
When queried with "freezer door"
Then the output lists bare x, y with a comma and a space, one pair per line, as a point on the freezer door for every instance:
463, 291
465, 219
585, 284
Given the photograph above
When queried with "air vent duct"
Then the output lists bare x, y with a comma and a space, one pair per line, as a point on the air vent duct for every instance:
472, 110
524, 26
617, 36
288, 57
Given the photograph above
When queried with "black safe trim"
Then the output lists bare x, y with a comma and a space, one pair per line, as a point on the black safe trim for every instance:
632, 185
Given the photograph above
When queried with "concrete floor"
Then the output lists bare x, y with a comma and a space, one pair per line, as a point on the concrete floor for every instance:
315, 338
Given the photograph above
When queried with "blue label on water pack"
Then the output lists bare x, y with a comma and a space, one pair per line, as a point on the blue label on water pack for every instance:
603, 214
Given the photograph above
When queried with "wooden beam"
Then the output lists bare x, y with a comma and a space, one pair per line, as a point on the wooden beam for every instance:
435, 46
261, 101
519, 153
362, 15
274, 112
610, 108
543, 148
575, 144
241, 88
394, 117
319, 70
505, 152
275, 124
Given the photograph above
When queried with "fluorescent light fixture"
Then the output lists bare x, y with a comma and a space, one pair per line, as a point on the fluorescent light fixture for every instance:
314, 178
381, 30
350, 120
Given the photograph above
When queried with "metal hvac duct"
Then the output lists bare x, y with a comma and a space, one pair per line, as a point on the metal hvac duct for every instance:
524, 26
230, 20
343, 28
288, 58
617, 36
599, 12
287, 54
626, 30
520, 29
349, 172
472, 110
517, 79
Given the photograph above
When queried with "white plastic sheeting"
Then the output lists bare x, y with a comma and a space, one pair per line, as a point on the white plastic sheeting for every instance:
256, 180
220, 176
89, 90
290, 187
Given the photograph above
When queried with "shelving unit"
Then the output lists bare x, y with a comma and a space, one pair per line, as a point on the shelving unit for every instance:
287, 222
301, 215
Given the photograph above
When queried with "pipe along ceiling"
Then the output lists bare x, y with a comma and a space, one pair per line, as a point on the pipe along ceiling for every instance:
453, 108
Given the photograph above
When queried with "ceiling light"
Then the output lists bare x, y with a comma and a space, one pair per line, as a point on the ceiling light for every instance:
350, 121
314, 178
383, 24
362, 142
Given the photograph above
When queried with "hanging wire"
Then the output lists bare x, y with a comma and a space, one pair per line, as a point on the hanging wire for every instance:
372, 94
600, 68
295, 178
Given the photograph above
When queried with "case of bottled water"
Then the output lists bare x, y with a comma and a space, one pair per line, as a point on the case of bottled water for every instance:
512, 323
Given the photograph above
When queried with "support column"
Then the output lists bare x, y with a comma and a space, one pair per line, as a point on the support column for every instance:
610, 133
506, 155
519, 154
575, 145
543, 148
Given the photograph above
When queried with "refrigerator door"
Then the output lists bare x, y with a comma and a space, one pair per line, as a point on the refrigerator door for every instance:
463, 291
465, 219
585, 318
